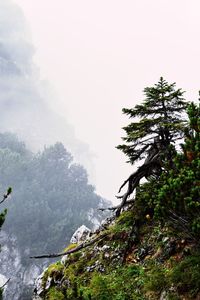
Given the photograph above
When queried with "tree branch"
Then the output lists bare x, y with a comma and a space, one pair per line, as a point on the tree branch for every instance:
116, 207
81, 246
134, 179
5, 196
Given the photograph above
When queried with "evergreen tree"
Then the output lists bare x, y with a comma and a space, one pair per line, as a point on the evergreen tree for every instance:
159, 117
157, 124
175, 197
52, 195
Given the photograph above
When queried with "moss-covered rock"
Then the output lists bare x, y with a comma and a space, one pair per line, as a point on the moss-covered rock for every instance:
150, 252
144, 260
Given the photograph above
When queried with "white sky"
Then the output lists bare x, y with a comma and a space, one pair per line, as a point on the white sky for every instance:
99, 55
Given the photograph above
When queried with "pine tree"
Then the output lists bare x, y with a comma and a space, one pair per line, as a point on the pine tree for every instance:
175, 197
157, 124
159, 117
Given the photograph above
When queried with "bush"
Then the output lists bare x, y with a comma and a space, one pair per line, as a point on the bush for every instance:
186, 275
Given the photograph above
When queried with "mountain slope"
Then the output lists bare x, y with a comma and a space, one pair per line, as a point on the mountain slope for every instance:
152, 250
51, 198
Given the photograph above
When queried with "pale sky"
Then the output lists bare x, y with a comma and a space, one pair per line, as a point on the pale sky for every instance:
100, 55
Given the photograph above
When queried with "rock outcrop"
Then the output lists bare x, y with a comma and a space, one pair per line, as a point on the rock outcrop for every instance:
16, 266
126, 259
80, 235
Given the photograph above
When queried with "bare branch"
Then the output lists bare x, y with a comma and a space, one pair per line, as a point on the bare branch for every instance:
116, 207
5, 196
125, 182
133, 181
81, 246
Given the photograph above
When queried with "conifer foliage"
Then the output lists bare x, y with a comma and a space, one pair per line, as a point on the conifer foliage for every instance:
175, 197
158, 117
157, 124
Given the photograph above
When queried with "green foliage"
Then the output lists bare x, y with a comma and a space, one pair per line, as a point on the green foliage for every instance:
186, 276
55, 294
70, 247
145, 256
137, 278
156, 278
99, 288
52, 194
177, 191
159, 116
138, 281
123, 283
125, 221
154, 264
54, 270
51, 198
111, 286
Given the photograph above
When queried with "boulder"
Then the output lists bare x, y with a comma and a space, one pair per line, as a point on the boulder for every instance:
64, 259
80, 235
39, 288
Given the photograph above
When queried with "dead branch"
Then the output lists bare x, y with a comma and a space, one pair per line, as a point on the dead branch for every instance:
80, 247
182, 220
116, 207
181, 223
133, 180
4, 198
124, 183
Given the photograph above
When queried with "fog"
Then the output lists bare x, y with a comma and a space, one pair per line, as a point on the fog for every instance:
25, 99
86, 61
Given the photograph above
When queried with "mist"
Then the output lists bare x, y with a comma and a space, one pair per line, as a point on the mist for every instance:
90, 60
67, 68
25, 99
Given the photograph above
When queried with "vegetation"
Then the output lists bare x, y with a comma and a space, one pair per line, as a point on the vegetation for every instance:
151, 251
158, 118
159, 263
51, 199
176, 195
52, 195
158, 123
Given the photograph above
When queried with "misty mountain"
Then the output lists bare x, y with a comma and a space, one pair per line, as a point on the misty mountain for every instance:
25, 99
51, 198
51, 194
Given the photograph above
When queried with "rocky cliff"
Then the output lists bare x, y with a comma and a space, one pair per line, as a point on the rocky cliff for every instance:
17, 266
15, 262
128, 258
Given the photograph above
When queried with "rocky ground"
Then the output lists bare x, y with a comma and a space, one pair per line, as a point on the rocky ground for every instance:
125, 259
17, 267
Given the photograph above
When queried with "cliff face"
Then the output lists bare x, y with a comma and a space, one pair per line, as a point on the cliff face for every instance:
129, 258
15, 263
21, 271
